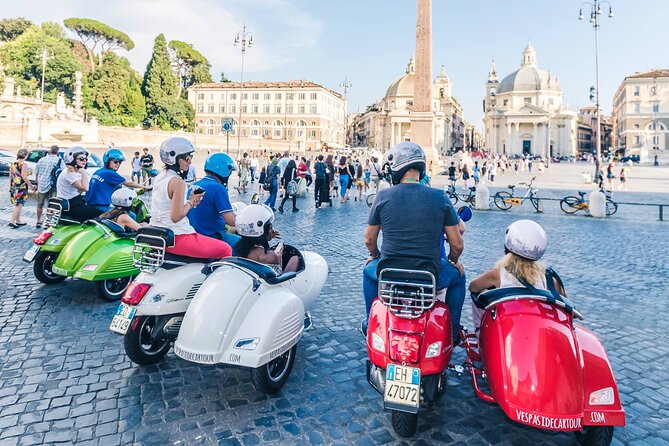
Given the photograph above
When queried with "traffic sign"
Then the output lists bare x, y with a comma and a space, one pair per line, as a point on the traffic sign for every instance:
227, 125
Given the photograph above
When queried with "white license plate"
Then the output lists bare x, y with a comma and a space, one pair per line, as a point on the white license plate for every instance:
122, 319
402, 386
31, 253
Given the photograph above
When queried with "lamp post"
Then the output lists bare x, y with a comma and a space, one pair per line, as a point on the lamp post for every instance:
244, 39
44, 55
345, 85
595, 12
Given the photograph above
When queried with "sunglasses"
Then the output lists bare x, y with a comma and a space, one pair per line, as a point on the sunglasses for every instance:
82, 158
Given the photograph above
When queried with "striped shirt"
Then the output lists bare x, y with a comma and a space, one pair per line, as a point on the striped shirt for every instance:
43, 172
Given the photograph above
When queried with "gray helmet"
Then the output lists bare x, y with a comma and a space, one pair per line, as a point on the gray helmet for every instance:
404, 156
171, 148
71, 155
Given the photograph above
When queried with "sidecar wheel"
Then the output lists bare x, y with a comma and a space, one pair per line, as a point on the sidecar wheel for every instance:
112, 290
138, 344
271, 377
42, 268
595, 436
404, 423
434, 386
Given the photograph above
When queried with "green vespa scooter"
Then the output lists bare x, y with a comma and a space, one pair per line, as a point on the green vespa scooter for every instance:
47, 245
102, 253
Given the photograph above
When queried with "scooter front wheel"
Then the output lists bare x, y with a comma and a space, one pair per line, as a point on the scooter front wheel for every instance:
139, 346
112, 289
271, 377
42, 268
595, 436
404, 423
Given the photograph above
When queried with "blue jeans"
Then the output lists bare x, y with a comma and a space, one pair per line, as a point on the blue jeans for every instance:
343, 184
449, 277
271, 200
230, 239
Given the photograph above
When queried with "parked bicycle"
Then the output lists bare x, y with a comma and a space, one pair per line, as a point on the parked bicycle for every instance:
505, 200
452, 193
372, 196
572, 204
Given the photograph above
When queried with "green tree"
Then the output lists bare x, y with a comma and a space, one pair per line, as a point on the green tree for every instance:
113, 94
22, 61
192, 67
93, 33
12, 28
223, 78
160, 88
173, 114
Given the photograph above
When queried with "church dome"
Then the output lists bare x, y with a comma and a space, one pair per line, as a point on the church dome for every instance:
404, 85
529, 77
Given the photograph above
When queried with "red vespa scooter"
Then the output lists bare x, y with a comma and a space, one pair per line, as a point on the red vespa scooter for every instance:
409, 339
542, 369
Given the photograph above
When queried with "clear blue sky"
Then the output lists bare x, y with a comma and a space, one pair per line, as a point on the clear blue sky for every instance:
371, 41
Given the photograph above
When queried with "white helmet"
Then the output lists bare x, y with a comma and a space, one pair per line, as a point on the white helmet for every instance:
526, 239
72, 154
123, 197
237, 207
171, 148
251, 221
404, 156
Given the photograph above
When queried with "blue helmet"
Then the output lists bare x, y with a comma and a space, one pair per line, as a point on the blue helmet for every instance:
220, 164
112, 154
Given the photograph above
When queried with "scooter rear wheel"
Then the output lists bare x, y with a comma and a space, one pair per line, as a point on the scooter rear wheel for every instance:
112, 290
138, 344
595, 436
404, 423
271, 377
42, 268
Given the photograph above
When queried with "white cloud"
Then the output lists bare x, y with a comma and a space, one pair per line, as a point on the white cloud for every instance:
280, 29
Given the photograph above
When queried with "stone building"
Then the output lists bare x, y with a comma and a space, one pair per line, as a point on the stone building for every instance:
301, 115
525, 114
587, 131
641, 114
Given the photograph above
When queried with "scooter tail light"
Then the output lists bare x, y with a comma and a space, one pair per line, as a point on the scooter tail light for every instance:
602, 397
378, 343
405, 347
42, 237
433, 350
135, 292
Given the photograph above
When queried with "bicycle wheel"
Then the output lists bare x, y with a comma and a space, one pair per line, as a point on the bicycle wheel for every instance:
471, 200
502, 200
370, 199
454, 198
537, 203
611, 207
569, 205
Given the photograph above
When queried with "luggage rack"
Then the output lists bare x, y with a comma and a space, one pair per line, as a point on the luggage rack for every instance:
407, 293
54, 211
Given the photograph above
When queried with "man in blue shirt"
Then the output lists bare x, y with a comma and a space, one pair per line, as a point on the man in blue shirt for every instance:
214, 212
106, 180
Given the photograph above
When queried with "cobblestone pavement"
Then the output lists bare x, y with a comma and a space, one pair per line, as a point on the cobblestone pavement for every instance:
64, 376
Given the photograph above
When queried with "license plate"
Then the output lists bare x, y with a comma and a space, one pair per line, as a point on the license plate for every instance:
402, 387
31, 253
122, 319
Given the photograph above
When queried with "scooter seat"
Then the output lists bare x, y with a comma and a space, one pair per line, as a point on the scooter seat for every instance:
118, 229
175, 260
264, 272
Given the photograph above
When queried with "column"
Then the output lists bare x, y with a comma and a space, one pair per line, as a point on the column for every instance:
536, 145
509, 138
516, 140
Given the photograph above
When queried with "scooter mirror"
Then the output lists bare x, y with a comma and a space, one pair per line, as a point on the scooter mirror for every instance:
465, 213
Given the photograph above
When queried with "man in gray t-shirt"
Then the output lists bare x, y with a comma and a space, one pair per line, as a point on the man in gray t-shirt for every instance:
414, 219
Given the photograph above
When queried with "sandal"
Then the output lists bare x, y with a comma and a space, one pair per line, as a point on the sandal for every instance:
12, 225
21, 224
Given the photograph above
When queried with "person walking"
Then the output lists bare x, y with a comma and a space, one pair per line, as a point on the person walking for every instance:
321, 186
146, 162
493, 171
476, 173
343, 178
136, 168
272, 178
375, 173
18, 187
244, 167
351, 180
330, 177
289, 176
465, 174
623, 179
359, 182
367, 175
46, 174
609, 176
253, 166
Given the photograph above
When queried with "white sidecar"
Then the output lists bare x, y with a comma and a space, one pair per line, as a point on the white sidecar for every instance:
244, 314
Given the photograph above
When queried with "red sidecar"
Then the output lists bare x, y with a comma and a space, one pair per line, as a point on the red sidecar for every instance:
541, 368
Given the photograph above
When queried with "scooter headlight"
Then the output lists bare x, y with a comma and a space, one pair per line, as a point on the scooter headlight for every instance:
433, 350
378, 343
602, 397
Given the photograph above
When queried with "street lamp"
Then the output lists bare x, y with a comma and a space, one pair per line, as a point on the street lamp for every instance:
244, 39
44, 55
595, 12
345, 86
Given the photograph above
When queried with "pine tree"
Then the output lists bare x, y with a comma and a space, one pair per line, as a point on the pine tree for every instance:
160, 84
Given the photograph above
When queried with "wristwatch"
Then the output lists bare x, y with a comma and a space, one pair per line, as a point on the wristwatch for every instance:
448, 258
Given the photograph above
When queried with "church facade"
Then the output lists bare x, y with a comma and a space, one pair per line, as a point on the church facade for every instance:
525, 114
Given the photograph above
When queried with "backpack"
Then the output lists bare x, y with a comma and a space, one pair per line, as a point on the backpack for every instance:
269, 176
55, 172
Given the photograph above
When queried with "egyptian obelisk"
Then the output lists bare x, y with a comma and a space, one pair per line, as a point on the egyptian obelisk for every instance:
422, 116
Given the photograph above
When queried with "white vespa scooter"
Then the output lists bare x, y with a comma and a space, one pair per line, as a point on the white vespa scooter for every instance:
246, 315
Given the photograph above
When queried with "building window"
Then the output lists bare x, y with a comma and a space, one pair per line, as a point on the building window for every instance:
211, 96
652, 91
302, 96
656, 108
221, 108
254, 108
313, 109
266, 96
266, 109
312, 134
200, 95
277, 109
637, 107
256, 96
637, 90
506, 102
222, 95
300, 109
314, 96
200, 108
528, 100
233, 108
636, 126
289, 109
245, 96
244, 109
289, 133
277, 96
277, 133
210, 109
637, 139
233, 95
